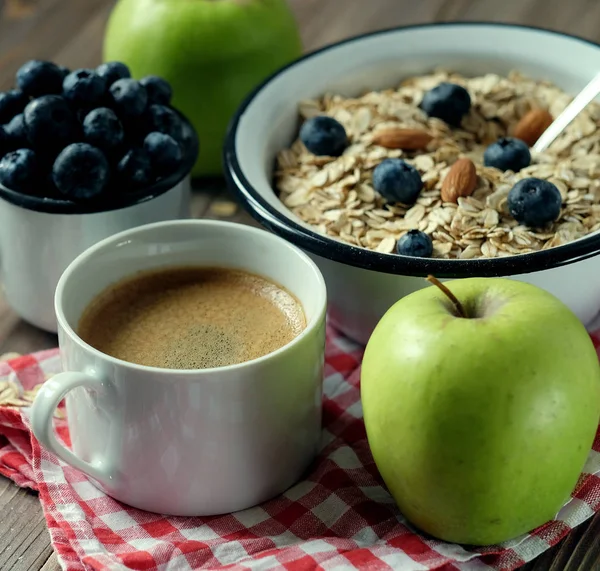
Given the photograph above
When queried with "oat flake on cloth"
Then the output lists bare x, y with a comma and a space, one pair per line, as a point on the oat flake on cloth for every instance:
339, 517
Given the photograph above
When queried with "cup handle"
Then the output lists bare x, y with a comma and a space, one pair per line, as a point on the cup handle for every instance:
42, 412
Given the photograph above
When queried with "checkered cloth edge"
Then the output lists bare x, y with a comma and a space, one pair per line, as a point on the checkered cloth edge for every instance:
339, 517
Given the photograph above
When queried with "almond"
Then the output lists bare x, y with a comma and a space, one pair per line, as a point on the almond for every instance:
405, 139
461, 180
532, 125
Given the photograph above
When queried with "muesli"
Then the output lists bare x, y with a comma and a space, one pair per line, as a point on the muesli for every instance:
440, 181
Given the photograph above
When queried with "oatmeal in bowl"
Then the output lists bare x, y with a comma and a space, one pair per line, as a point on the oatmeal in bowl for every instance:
407, 152
463, 168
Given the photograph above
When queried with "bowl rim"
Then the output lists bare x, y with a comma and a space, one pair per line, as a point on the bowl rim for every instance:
161, 186
338, 251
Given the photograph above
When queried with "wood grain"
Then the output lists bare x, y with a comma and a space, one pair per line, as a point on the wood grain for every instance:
24, 540
70, 32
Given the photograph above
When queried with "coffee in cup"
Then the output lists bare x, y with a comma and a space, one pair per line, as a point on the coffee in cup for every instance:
191, 317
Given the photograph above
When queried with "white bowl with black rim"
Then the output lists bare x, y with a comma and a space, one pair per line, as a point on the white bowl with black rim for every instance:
40, 237
363, 284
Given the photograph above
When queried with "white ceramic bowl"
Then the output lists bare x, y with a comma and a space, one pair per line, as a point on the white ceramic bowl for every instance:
40, 237
363, 284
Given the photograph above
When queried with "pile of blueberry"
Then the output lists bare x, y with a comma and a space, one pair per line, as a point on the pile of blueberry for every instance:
80, 135
533, 202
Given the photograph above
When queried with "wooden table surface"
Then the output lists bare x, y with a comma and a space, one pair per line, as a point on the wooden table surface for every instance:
70, 32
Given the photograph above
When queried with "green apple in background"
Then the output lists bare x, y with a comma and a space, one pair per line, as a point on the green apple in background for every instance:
480, 425
213, 52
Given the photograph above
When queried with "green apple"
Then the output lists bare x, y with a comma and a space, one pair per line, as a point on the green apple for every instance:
480, 424
213, 52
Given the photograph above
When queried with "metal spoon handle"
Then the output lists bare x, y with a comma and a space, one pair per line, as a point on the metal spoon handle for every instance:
587, 94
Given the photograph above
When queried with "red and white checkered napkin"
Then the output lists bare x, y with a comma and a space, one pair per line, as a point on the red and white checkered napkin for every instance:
339, 517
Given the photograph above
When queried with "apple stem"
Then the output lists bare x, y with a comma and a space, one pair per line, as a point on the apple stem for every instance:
457, 304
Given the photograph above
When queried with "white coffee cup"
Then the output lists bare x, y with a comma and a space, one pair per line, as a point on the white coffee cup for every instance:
188, 442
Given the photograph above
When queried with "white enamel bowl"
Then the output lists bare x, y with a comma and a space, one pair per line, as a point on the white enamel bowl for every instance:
363, 284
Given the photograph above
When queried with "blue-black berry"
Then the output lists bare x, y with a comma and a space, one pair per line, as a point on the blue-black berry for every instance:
507, 154
136, 129
84, 88
164, 151
324, 136
50, 123
159, 90
111, 71
415, 243
11, 103
448, 102
164, 120
80, 172
37, 78
102, 129
135, 169
19, 170
16, 134
397, 181
64, 70
129, 98
534, 202
5, 145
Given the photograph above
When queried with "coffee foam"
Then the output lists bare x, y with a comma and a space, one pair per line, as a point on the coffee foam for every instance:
192, 318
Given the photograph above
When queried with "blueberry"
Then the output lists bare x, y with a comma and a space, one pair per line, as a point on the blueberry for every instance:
164, 120
534, 202
81, 114
164, 151
448, 102
415, 243
5, 142
102, 128
19, 170
507, 154
84, 88
16, 133
159, 89
80, 171
135, 168
64, 70
129, 97
11, 103
397, 181
37, 78
136, 128
111, 71
189, 141
323, 135
50, 123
